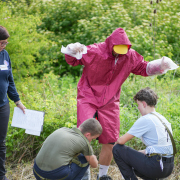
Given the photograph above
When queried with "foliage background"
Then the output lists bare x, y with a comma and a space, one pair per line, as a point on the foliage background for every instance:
47, 83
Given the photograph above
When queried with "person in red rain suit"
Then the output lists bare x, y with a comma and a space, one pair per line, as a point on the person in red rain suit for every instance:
106, 66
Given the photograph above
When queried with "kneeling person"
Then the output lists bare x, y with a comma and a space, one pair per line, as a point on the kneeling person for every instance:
157, 160
66, 153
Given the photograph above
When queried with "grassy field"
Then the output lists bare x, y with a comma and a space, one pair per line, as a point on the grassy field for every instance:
168, 91
24, 171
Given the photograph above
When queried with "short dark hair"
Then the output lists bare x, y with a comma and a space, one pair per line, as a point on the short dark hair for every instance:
92, 126
3, 33
147, 95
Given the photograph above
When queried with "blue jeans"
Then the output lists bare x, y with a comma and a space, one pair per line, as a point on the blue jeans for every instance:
69, 172
132, 163
4, 119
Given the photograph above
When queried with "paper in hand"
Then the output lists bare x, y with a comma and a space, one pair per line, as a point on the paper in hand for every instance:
32, 120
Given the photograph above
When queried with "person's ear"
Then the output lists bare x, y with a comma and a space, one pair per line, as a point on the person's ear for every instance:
87, 134
144, 104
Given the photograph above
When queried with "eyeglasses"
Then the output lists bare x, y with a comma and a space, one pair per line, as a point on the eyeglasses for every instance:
3, 44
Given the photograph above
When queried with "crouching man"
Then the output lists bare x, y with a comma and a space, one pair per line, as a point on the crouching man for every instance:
66, 153
157, 160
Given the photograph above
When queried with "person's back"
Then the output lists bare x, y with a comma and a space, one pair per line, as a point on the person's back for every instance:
66, 153
157, 160
153, 133
59, 149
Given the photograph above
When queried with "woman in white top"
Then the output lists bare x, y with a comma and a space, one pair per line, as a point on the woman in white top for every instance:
157, 160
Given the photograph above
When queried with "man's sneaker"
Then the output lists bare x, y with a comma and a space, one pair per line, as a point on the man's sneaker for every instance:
104, 177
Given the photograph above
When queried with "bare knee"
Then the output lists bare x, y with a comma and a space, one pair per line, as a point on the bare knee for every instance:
107, 147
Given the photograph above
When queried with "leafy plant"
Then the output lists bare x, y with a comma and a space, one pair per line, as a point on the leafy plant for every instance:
47, 83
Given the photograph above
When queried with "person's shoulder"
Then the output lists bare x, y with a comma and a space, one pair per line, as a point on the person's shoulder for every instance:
148, 117
5, 52
92, 47
151, 119
144, 119
63, 129
134, 53
6, 55
158, 115
132, 50
63, 132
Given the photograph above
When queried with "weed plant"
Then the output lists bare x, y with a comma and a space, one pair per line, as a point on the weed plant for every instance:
56, 96
47, 83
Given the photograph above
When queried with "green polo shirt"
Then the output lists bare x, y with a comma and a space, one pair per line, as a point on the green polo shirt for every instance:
60, 147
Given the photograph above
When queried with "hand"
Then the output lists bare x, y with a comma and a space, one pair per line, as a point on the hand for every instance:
76, 48
21, 106
143, 151
164, 66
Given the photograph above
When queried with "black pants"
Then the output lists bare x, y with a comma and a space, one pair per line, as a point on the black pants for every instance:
132, 163
4, 119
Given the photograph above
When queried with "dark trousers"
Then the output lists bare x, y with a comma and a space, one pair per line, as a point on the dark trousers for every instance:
69, 172
4, 119
132, 163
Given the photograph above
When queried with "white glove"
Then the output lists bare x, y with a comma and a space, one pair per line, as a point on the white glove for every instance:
160, 66
75, 50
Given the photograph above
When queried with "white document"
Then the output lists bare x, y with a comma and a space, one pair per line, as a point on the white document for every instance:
32, 132
32, 120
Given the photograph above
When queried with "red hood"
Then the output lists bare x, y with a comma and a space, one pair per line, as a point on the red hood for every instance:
118, 37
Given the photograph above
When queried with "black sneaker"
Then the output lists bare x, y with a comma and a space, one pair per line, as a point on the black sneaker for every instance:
105, 177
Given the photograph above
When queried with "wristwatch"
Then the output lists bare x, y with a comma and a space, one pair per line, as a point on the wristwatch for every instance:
18, 103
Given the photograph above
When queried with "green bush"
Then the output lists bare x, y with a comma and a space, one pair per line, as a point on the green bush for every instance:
91, 22
56, 96
38, 29
24, 42
167, 89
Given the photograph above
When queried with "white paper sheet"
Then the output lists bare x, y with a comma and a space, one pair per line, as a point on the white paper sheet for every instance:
32, 132
32, 120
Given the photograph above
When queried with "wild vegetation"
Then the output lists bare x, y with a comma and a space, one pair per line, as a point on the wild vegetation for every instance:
45, 82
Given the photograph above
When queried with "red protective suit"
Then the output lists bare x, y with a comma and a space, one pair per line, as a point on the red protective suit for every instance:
100, 85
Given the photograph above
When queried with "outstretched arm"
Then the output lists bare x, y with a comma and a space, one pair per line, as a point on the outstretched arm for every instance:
160, 66
138, 64
72, 60
73, 53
